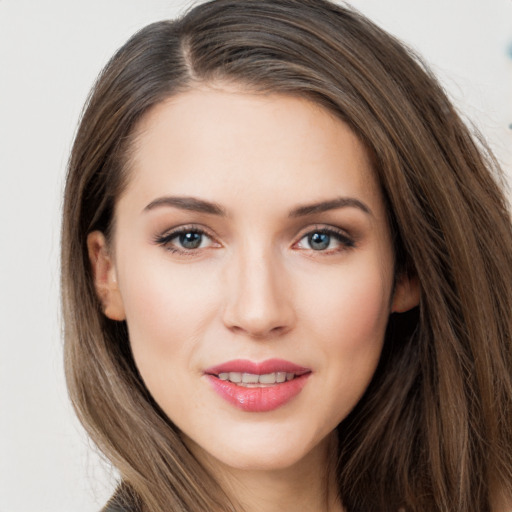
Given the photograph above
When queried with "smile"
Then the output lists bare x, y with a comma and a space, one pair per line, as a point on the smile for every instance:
258, 387
255, 380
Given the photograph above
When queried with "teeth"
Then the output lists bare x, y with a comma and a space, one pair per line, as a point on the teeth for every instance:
280, 376
268, 378
251, 379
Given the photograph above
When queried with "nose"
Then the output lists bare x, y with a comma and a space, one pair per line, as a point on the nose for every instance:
258, 301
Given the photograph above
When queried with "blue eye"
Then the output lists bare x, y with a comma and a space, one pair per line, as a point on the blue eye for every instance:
184, 240
190, 240
325, 239
319, 241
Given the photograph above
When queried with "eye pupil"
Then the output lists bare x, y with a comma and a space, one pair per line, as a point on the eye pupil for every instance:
319, 241
190, 240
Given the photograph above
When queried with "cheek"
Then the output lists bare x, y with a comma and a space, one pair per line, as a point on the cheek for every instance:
353, 309
349, 320
166, 310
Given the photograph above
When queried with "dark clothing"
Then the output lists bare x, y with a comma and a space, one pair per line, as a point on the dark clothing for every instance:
114, 507
120, 502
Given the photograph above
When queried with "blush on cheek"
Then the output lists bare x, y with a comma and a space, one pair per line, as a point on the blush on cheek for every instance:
163, 305
353, 312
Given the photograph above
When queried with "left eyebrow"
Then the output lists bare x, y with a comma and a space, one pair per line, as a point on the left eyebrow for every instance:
331, 204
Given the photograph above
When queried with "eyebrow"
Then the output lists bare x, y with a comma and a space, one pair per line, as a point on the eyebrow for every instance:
187, 203
331, 204
202, 206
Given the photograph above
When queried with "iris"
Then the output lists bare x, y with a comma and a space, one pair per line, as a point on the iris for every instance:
190, 240
319, 241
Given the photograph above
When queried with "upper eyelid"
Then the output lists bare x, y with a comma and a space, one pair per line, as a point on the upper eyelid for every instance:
326, 228
186, 228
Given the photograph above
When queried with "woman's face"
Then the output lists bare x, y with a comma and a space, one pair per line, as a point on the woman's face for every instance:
251, 244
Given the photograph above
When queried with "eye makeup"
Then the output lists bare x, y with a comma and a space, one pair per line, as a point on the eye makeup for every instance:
188, 239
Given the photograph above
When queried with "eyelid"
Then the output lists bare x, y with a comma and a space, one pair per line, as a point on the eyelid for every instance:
163, 239
346, 240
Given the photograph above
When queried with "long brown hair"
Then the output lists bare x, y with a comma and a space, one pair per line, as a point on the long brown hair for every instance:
433, 431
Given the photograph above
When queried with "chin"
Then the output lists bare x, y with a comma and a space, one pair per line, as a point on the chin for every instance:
260, 449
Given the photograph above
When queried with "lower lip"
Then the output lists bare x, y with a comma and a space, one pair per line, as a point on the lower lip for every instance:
258, 399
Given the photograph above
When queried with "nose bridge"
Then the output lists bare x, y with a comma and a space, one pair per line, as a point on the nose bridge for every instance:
257, 302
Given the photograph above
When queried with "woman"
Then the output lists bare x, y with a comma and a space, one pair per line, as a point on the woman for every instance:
287, 272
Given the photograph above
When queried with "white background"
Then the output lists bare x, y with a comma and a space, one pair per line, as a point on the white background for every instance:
50, 53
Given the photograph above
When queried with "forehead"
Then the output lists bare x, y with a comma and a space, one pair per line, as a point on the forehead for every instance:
219, 142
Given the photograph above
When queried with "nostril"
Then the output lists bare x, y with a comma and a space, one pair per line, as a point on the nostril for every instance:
259, 332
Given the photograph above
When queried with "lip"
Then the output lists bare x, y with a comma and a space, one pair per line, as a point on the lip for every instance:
261, 368
258, 399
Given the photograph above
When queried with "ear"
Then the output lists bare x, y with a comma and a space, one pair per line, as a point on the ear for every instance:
104, 274
406, 295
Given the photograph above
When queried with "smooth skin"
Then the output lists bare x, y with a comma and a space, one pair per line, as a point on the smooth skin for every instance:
217, 255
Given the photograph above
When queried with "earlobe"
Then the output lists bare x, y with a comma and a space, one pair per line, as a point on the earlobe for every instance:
407, 294
104, 274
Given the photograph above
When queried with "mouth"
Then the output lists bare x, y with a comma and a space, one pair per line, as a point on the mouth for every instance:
258, 387
253, 380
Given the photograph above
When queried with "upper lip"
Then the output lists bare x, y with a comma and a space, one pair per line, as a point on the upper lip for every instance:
257, 368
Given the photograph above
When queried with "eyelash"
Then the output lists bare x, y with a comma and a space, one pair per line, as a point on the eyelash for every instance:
165, 239
345, 241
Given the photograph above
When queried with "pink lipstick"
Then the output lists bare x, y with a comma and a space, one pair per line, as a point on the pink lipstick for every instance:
257, 387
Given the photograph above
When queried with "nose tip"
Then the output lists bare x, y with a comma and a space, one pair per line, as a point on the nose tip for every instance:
258, 304
258, 331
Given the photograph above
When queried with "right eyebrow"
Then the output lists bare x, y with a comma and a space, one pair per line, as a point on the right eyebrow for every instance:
187, 203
